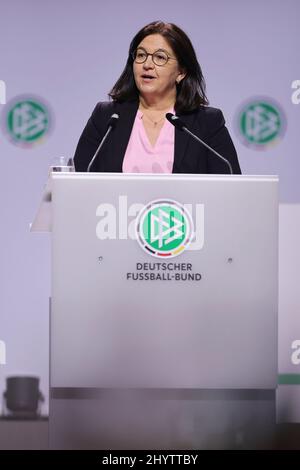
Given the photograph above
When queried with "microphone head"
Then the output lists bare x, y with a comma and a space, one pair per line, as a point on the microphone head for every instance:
113, 120
175, 121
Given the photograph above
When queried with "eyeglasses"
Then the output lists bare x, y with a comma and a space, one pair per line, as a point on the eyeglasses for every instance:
159, 57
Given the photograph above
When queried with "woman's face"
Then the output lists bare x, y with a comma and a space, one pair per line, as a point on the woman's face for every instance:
156, 80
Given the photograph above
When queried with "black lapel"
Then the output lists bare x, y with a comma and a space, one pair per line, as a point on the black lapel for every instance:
121, 134
182, 139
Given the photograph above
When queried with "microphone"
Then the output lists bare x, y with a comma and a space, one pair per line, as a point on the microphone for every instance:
179, 124
111, 124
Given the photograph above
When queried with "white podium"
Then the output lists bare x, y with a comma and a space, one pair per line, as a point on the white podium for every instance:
163, 327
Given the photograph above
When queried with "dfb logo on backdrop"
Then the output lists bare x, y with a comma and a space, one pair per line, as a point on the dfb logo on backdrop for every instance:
296, 94
2, 92
27, 120
260, 123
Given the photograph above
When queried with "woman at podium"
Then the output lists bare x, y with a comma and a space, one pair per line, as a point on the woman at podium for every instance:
131, 133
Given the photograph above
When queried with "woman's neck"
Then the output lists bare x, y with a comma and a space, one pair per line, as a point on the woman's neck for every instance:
157, 104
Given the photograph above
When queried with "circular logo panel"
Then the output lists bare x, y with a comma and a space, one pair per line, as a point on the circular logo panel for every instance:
164, 228
260, 123
27, 121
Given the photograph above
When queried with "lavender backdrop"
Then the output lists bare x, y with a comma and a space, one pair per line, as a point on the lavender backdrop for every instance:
69, 53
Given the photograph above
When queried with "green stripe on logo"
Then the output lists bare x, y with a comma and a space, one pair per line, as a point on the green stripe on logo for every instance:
289, 379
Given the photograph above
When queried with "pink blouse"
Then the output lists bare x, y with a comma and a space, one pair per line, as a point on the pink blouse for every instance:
142, 157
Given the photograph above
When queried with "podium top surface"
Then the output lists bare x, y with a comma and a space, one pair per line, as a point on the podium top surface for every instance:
158, 176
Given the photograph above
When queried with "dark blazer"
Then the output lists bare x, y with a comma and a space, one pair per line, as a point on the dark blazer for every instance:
189, 157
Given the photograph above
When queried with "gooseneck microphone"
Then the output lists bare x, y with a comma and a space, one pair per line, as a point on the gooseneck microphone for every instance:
179, 124
111, 124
